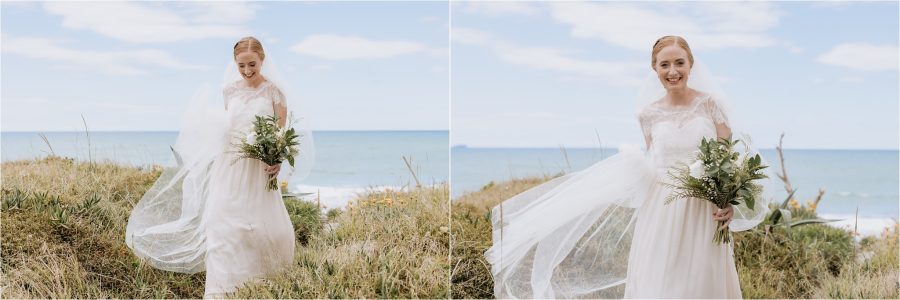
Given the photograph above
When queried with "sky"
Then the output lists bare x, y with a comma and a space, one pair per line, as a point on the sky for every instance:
528, 74
520, 74
129, 66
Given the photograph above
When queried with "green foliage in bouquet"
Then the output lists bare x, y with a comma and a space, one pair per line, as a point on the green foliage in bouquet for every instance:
720, 175
270, 144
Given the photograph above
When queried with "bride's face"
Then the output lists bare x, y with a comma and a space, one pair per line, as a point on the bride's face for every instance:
249, 64
673, 67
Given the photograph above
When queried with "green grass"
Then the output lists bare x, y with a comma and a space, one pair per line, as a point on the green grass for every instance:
63, 237
810, 261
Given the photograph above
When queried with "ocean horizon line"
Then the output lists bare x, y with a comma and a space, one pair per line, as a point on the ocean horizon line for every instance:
176, 131
616, 148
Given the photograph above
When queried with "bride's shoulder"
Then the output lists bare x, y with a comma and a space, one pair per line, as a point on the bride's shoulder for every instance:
230, 87
708, 103
651, 109
274, 92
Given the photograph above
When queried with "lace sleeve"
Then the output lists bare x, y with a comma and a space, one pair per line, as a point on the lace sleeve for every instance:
716, 113
646, 120
277, 96
227, 90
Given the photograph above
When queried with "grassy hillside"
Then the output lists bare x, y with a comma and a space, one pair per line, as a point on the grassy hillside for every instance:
809, 261
63, 227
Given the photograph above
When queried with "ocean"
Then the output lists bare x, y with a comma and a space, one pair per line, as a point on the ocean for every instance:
347, 162
351, 162
866, 180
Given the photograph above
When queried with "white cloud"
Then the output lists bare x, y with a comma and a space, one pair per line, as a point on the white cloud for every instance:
499, 8
469, 36
220, 12
636, 27
863, 57
339, 47
558, 60
439, 69
110, 62
154, 22
553, 59
321, 68
19, 4
851, 79
431, 19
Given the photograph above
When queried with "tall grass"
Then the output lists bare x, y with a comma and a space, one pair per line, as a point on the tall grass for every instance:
388, 244
63, 237
810, 261
64, 228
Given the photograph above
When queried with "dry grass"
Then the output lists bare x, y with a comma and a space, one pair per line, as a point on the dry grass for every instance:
63, 237
874, 274
812, 261
471, 273
63, 233
389, 244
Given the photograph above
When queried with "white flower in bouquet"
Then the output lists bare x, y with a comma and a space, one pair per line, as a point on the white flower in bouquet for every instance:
741, 157
697, 169
270, 144
720, 175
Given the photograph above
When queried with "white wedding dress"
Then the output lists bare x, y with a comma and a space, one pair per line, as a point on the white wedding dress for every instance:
213, 212
248, 233
605, 232
672, 254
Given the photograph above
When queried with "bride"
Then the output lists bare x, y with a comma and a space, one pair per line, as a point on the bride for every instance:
212, 212
605, 231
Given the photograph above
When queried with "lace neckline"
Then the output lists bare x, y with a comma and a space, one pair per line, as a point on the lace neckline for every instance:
242, 84
696, 101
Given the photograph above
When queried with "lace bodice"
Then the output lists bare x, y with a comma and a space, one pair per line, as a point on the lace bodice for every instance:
243, 103
674, 133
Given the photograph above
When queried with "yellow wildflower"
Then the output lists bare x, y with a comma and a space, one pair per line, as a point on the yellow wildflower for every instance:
794, 204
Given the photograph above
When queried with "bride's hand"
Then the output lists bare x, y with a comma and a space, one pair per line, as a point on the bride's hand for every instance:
273, 169
724, 214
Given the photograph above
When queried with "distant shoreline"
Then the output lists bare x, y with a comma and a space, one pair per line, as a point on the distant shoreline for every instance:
176, 131
461, 147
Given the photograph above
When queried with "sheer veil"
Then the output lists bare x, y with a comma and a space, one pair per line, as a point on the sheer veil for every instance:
166, 227
570, 237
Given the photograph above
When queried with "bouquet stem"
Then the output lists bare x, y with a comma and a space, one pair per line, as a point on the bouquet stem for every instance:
273, 182
723, 235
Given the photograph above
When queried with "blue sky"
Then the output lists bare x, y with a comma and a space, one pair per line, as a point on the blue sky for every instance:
528, 74
524, 74
132, 66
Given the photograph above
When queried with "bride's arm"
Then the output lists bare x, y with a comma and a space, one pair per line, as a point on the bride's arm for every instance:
645, 120
723, 131
725, 214
280, 107
281, 112
719, 117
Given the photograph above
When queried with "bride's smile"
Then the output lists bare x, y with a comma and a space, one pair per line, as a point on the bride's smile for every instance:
249, 63
673, 65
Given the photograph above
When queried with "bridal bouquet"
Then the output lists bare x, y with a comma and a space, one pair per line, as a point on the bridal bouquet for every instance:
721, 175
270, 144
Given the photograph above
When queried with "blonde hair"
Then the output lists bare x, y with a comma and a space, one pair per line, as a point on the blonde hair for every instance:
249, 44
668, 41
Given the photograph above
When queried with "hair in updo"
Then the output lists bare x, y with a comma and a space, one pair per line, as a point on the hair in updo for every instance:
249, 44
667, 41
